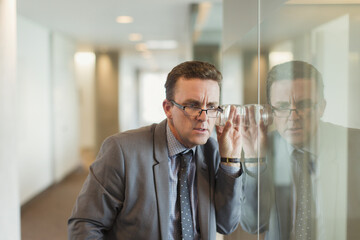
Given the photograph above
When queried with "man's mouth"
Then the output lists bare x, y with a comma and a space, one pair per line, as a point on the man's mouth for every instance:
200, 129
294, 130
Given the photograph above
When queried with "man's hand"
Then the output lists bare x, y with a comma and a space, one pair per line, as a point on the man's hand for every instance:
253, 134
229, 136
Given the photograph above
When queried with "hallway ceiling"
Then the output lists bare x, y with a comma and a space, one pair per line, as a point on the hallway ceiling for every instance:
92, 23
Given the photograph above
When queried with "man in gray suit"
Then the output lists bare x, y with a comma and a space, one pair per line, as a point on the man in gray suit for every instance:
133, 188
309, 169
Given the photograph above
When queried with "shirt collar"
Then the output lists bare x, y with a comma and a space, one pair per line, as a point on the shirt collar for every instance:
305, 149
310, 147
174, 146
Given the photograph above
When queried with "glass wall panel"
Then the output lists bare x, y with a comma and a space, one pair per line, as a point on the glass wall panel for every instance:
243, 85
300, 60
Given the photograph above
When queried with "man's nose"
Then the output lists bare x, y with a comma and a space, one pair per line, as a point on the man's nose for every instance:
293, 114
202, 115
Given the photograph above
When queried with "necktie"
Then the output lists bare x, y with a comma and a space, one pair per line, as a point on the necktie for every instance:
184, 197
304, 211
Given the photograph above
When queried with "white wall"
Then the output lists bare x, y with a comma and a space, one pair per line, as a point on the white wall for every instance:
9, 200
85, 76
48, 106
331, 47
65, 109
34, 125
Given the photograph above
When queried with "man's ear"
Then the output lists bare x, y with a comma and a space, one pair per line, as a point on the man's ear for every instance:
167, 106
322, 106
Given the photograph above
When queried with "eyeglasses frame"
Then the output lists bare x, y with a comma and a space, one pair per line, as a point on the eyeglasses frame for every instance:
273, 109
201, 110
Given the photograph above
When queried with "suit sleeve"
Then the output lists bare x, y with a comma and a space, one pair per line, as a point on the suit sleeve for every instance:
101, 197
249, 196
227, 201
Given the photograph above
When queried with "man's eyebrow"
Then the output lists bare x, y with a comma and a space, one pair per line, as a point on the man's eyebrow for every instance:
213, 103
302, 100
196, 102
192, 101
305, 100
281, 102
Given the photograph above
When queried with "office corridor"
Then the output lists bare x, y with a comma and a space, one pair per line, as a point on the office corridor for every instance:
45, 217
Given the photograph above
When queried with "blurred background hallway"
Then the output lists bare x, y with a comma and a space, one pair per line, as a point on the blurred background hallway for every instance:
74, 72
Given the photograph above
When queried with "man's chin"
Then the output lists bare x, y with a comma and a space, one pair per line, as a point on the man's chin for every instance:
199, 140
297, 141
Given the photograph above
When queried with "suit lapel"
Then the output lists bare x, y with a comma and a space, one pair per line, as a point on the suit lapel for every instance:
161, 178
204, 193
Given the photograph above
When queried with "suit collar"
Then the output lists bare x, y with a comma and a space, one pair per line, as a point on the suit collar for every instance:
160, 144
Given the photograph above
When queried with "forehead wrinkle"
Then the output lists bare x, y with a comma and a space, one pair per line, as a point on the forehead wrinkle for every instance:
200, 102
297, 90
199, 92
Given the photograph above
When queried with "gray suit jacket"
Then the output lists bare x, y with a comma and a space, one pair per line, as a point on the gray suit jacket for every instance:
126, 195
335, 182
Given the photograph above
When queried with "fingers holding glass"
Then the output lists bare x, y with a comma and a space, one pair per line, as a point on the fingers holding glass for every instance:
230, 111
254, 114
228, 133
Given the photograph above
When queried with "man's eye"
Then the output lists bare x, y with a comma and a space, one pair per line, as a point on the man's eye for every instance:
211, 107
304, 104
283, 106
192, 106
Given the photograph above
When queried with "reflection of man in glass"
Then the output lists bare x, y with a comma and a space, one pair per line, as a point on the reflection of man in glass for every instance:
303, 173
297, 104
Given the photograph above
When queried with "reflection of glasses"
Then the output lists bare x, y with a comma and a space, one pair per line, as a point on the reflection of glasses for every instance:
302, 108
196, 111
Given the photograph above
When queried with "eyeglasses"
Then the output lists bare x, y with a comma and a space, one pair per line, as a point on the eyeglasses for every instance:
302, 108
196, 111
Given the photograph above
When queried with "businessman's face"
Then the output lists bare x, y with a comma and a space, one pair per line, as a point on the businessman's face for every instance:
192, 130
300, 125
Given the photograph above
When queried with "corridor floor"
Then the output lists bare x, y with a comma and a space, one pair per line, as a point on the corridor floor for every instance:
45, 217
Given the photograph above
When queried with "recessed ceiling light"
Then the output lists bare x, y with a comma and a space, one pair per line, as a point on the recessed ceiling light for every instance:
124, 19
141, 47
134, 37
84, 58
